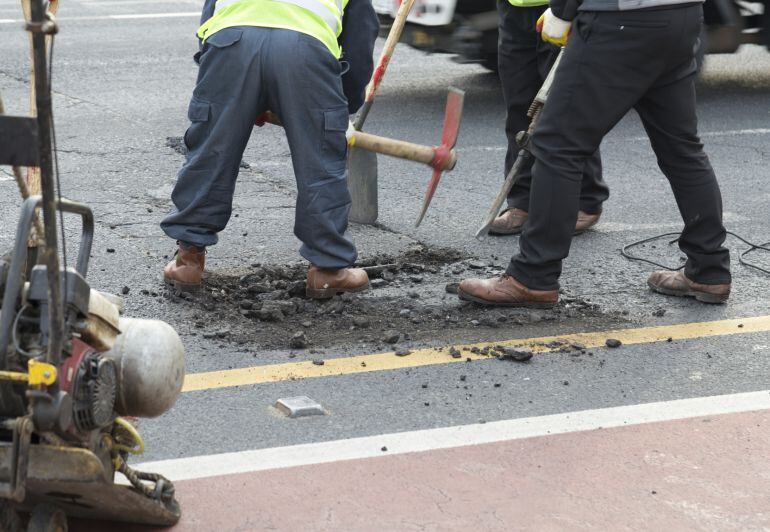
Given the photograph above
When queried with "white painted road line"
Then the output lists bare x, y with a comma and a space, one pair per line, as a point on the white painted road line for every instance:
114, 3
736, 132
155, 15
450, 437
706, 134
715, 134
185, 14
620, 227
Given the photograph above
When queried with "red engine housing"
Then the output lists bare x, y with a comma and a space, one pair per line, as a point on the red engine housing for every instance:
70, 366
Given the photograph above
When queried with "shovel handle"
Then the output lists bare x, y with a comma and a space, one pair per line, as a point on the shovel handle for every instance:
382, 65
439, 158
390, 45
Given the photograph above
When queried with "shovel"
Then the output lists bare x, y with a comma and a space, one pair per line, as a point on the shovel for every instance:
362, 164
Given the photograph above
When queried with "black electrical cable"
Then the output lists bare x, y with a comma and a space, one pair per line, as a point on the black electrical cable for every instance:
741, 258
754, 247
624, 250
14, 333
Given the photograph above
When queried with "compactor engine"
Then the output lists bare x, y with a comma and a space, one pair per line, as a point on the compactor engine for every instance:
74, 375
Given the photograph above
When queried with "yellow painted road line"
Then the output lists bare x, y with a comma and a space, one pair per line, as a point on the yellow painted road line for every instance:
432, 356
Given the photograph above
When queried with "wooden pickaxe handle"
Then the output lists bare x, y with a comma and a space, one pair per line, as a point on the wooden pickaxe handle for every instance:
440, 157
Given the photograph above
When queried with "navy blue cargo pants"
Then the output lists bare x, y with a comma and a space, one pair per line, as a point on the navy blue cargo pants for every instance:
245, 71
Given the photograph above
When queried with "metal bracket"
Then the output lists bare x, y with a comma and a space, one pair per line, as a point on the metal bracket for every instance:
16, 486
47, 27
18, 141
41, 373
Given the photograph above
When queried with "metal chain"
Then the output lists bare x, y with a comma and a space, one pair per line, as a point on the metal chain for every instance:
162, 490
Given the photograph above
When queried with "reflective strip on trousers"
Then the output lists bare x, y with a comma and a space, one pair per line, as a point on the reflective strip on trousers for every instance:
314, 6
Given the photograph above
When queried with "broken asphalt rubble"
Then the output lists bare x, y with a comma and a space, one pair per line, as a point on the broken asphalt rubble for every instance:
265, 307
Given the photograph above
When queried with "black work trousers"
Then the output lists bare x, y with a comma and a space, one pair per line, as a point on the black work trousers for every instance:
524, 61
616, 61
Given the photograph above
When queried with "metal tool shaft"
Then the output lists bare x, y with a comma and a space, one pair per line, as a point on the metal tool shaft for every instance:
50, 256
524, 155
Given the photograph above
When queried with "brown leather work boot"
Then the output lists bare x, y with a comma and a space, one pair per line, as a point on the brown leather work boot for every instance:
185, 272
585, 221
324, 284
677, 284
505, 291
509, 223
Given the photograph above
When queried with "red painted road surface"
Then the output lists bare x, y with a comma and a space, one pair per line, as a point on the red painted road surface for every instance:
695, 474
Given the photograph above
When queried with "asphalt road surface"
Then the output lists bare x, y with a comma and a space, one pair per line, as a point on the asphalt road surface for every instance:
123, 74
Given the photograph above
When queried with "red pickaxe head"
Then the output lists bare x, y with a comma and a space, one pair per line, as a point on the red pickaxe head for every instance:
444, 155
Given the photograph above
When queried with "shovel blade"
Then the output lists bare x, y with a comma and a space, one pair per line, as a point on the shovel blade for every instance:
362, 184
522, 160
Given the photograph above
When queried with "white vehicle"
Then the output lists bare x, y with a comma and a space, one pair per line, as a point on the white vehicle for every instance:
468, 28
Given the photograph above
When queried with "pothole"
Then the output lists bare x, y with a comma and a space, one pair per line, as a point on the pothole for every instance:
411, 301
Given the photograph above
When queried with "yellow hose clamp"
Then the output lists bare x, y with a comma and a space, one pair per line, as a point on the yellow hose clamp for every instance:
41, 373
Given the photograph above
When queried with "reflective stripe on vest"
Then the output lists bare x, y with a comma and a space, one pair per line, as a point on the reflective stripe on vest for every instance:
317, 7
528, 3
321, 19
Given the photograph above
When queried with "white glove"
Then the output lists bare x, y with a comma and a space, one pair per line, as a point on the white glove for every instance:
350, 133
552, 29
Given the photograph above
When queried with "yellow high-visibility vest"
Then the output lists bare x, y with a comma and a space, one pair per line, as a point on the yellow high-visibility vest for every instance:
321, 19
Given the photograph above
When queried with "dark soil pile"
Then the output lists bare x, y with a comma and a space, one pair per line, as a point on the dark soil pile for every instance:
411, 300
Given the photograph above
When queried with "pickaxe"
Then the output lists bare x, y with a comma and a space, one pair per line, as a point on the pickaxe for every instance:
441, 158
524, 154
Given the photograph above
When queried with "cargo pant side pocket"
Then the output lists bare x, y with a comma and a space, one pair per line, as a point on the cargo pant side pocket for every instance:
334, 148
199, 114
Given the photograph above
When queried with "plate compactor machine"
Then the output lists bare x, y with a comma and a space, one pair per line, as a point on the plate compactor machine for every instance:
74, 376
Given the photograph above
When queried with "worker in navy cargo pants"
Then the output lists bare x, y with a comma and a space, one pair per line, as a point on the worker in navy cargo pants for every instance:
244, 72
